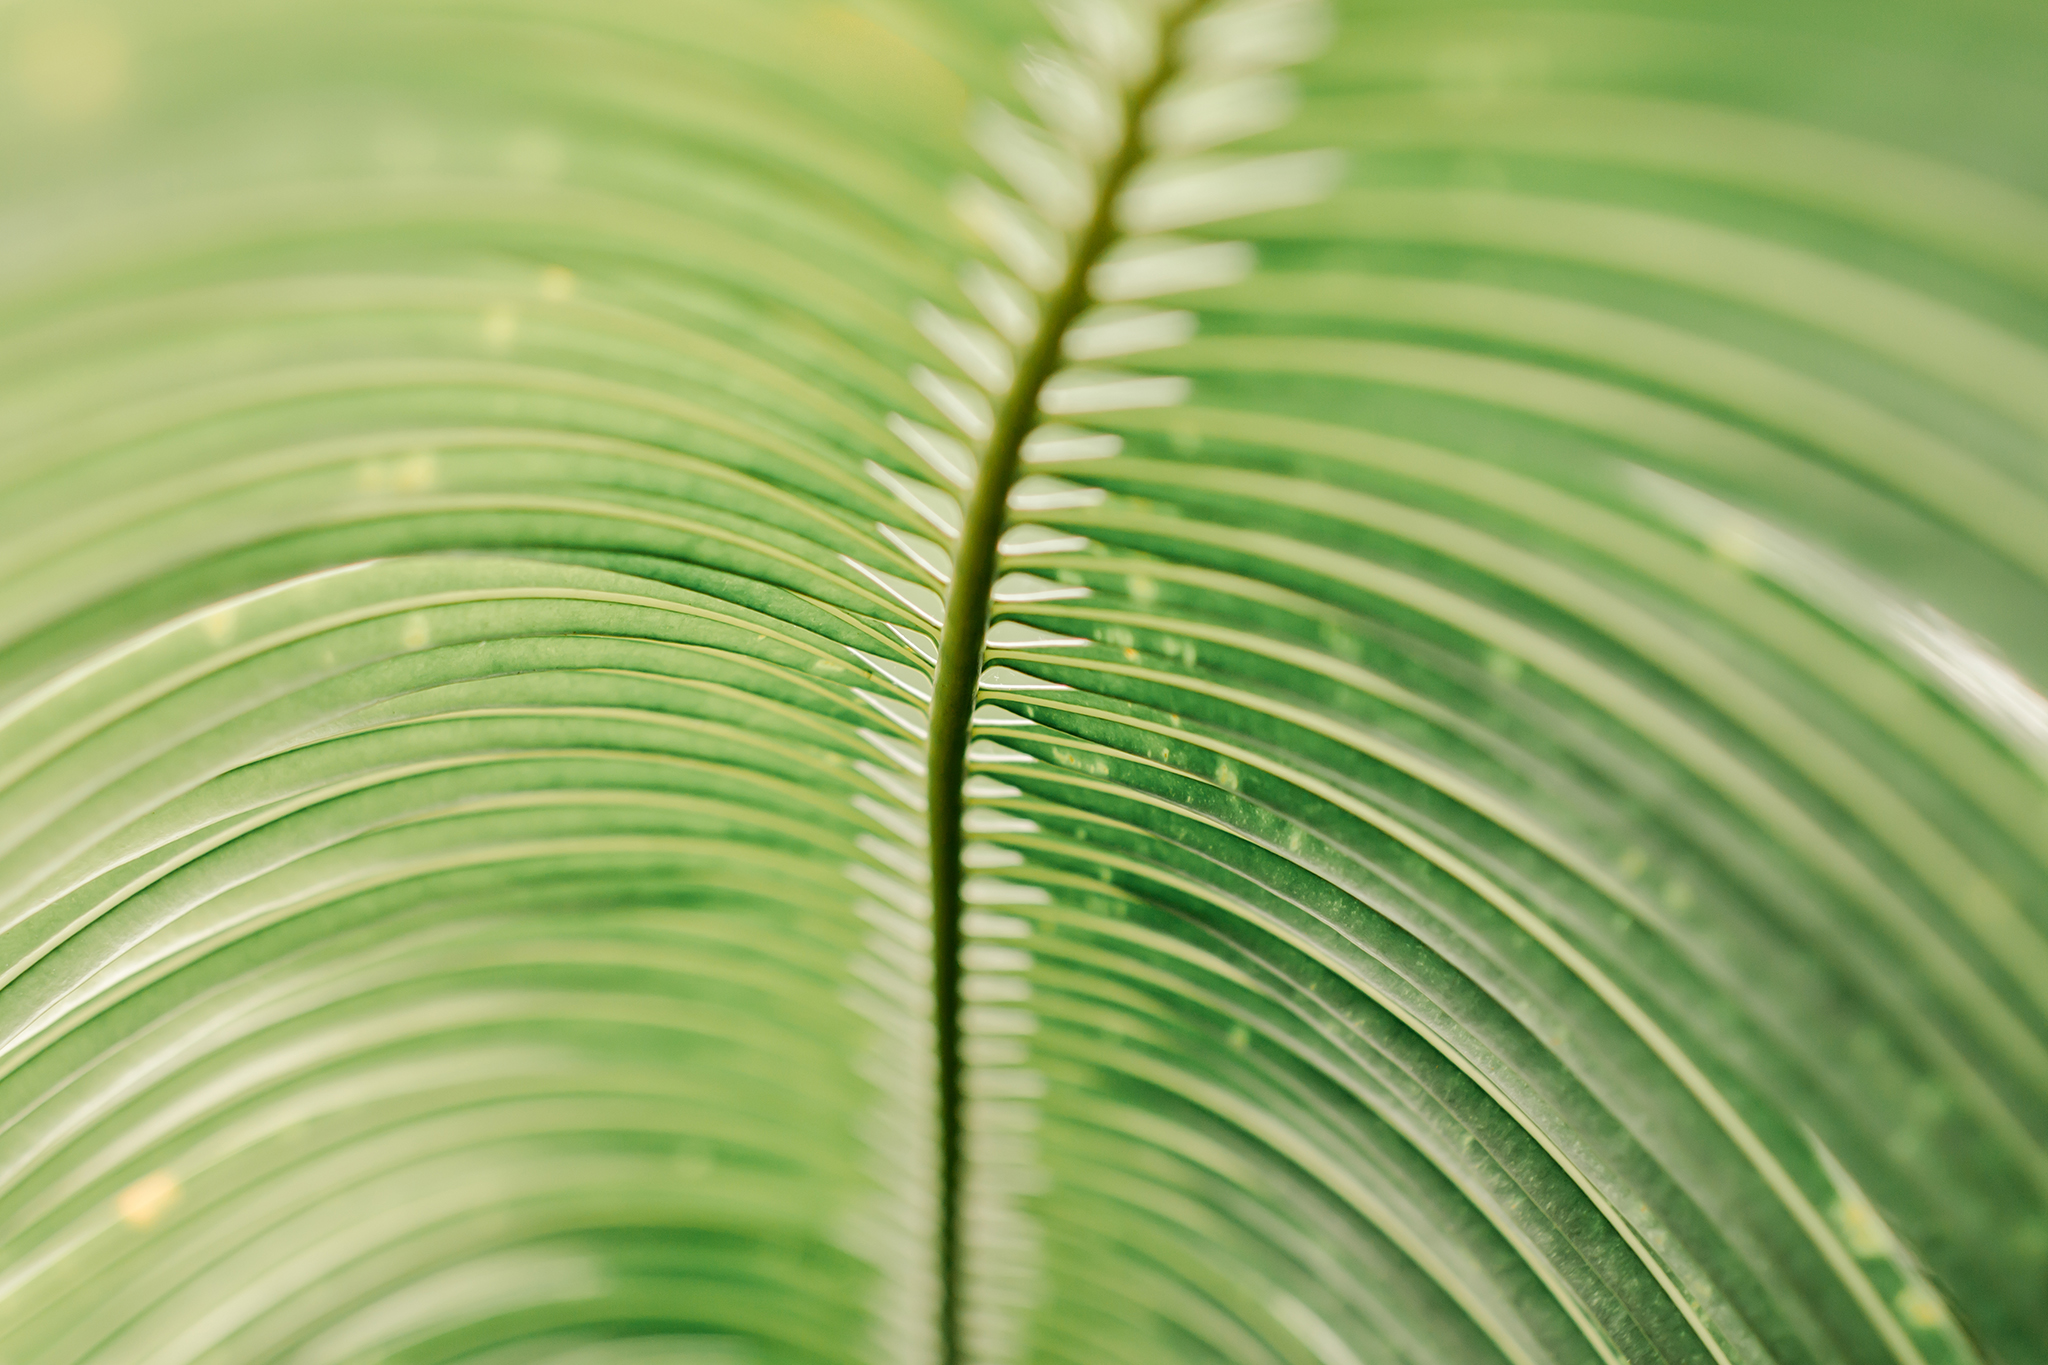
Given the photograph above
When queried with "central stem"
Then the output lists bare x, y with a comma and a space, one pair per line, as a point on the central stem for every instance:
963, 640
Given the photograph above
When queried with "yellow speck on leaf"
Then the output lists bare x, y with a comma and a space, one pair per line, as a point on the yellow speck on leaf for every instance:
414, 634
1919, 1306
500, 327
557, 283
148, 1199
220, 625
414, 473
1862, 1230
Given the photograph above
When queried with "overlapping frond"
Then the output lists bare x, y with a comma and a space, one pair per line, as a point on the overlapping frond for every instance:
1134, 107
430, 720
1523, 806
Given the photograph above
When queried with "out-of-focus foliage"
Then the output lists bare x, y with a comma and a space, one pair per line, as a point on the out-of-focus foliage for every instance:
1538, 858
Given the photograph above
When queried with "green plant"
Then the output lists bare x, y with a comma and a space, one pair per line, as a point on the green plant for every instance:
1492, 811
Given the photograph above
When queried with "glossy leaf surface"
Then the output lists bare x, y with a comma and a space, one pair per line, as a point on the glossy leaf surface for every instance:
1527, 848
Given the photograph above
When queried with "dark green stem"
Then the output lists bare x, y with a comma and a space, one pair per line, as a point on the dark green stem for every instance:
963, 640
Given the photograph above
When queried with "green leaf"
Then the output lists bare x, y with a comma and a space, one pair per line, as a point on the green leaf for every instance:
1473, 794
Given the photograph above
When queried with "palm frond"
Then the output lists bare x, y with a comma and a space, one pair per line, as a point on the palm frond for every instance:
913, 682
